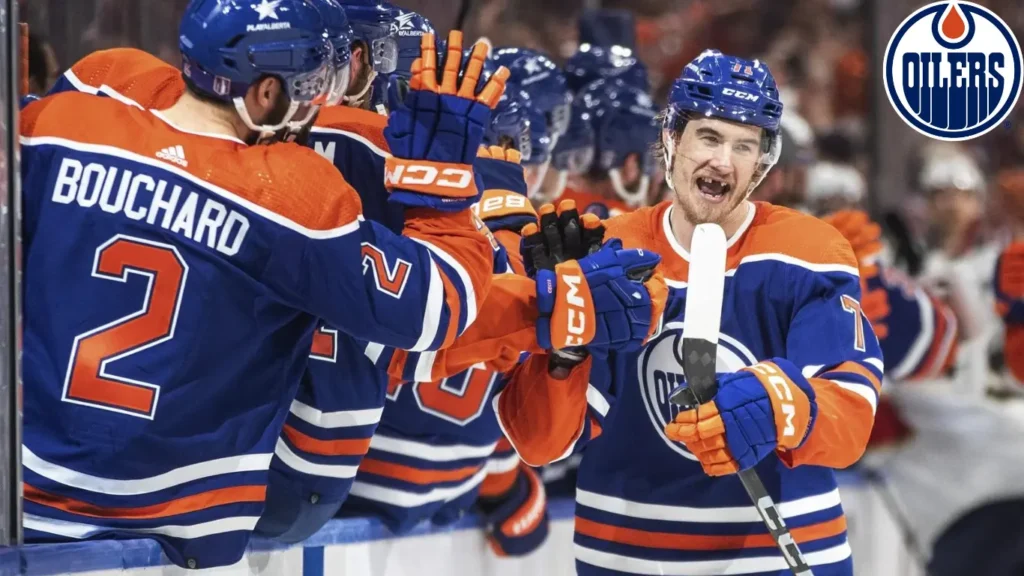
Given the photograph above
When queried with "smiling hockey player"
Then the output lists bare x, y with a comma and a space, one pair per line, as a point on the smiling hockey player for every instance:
800, 368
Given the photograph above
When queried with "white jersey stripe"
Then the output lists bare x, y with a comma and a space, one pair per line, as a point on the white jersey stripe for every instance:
79, 531
339, 419
750, 565
464, 278
708, 515
274, 217
865, 391
135, 487
430, 452
502, 464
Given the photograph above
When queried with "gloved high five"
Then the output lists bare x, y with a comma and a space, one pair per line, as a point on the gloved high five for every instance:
590, 294
759, 409
434, 135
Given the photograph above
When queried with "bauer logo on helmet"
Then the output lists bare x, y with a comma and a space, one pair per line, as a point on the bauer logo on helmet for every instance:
953, 70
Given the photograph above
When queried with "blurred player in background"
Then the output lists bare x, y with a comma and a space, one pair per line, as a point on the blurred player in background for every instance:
655, 493
406, 30
625, 130
571, 156
237, 231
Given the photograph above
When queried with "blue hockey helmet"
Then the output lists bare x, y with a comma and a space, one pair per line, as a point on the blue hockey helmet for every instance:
591, 63
541, 138
729, 88
574, 151
227, 46
407, 29
625, 123
371, 22
339, 32
510, 124
534, 72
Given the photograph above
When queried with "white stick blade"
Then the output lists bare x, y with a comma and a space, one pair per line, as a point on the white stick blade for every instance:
705, 284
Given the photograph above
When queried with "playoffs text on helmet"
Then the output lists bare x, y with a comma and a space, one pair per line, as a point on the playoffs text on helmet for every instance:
952, 70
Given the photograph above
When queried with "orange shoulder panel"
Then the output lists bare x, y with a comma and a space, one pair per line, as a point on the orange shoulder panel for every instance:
297, 183
287, 179
136, 74
365, 123
779, 230
640, 228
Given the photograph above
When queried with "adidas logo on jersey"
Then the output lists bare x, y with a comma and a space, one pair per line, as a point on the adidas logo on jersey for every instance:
174, 154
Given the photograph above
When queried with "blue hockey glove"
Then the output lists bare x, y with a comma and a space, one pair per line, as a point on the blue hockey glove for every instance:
757, 410
434, 135
606, 301
517, 522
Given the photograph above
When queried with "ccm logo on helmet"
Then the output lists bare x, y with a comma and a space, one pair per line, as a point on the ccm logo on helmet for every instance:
740, 94
420, 175
576, 323
953, 70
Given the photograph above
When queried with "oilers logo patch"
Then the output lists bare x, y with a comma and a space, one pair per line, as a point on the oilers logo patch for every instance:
660, 371
952, 70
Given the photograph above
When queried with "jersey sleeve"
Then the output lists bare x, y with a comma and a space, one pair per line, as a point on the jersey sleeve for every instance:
917, 331
416, 290
505, 328
547, 419
831, 340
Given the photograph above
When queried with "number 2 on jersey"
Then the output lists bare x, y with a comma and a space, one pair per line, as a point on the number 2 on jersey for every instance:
87, 381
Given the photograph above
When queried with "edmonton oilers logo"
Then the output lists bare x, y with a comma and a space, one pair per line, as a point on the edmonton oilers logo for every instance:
953, 70
660, 371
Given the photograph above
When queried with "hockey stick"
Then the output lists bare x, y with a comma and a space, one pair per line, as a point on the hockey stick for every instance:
701, 324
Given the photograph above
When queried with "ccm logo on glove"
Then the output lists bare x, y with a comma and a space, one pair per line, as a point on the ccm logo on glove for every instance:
422, 176
780, 385
573, 307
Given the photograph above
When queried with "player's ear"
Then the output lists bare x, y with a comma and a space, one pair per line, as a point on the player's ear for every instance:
262, 97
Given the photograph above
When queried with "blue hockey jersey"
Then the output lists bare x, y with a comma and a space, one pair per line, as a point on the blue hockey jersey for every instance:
643, 503
198, 266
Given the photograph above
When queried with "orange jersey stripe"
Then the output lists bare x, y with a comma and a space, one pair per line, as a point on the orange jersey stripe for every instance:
415, 475
841, 428
363, 123
674, 541
184, 505
310, 445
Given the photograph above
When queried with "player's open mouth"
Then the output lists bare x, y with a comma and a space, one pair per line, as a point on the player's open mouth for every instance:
712, 189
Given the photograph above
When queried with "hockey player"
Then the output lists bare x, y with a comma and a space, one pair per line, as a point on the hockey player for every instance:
591, 63
204, 228
625, 130
656, 492
571, 156
406, 30
375, 49
328, 427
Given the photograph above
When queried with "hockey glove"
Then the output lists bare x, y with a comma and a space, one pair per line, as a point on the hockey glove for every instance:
757, 410
434, 135
562, 235
1009, 284
517, 521
600, 301
503, 205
